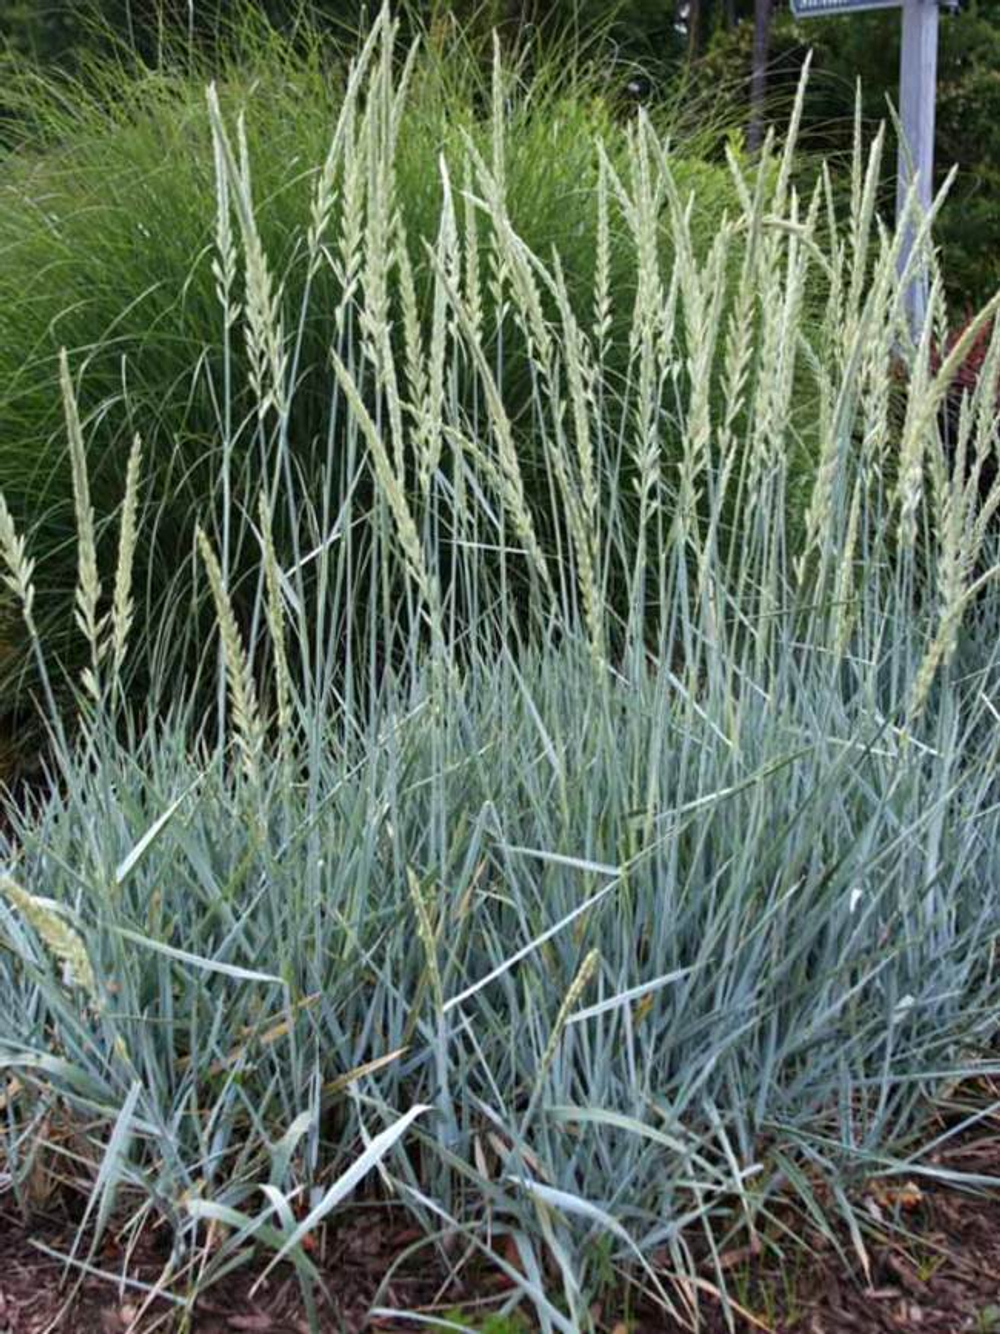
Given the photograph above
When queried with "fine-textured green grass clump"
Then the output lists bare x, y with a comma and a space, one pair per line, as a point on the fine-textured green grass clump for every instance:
645, 900
120, 232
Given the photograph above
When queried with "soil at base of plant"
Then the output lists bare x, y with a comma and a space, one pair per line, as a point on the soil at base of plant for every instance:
933, 1253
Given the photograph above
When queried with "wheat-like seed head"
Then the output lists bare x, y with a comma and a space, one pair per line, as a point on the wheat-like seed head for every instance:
413, 338
473, 288
876, 393
447, 271
986, 444
603, 307
60, 939
276, 620
498, 117
576, 989
820, 510
224, 261
740, 323
935, 654
652, 179
791, 138
122, 606
88, 589
265, 333
515, 261
703, 319
325, 194
396, 82
913, 444
863, 217
428, 939
983, 516
379, 254
347, 260
242, 694
20, 568
580, 538
845, 610
509, 473
987, 387
577, 364
392, 489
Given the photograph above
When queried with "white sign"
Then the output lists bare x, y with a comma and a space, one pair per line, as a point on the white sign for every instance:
807, 9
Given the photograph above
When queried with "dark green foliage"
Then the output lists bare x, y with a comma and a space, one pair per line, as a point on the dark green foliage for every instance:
60, 29
969, 135
44, 32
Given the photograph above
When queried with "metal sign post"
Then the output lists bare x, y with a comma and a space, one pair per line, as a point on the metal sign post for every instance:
917, 86
917, 92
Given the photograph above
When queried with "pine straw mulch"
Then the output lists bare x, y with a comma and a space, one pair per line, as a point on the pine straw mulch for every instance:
934, 1254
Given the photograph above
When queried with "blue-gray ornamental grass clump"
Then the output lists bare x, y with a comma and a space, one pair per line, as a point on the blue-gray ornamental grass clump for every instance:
592, 861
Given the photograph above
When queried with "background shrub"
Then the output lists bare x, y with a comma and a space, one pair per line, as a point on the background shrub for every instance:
108, 232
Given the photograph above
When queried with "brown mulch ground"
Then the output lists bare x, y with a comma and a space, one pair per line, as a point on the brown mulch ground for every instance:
933, 1253
936, 1272
34, 1298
